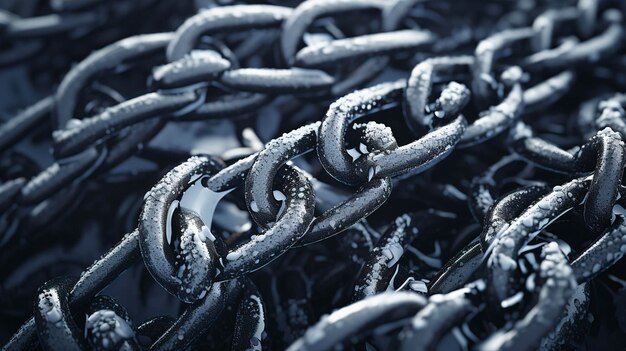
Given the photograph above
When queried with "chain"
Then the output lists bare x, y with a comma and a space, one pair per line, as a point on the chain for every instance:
452, 192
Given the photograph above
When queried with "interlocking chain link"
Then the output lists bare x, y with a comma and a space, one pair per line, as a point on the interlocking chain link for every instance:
409, 126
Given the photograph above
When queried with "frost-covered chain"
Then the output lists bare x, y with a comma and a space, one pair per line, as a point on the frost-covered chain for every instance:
179, 86
500, 273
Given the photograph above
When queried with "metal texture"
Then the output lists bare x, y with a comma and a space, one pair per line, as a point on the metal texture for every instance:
449, 175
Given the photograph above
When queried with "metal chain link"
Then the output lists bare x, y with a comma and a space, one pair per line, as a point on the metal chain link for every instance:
477, 96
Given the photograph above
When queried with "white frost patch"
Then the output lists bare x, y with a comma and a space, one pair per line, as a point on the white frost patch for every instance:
354, 154
393, 252
513, 300
202, 201
279, 196
168, 224
205, 234
418, 286
619, 210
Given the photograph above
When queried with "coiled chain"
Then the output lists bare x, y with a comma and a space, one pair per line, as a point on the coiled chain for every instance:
482, 221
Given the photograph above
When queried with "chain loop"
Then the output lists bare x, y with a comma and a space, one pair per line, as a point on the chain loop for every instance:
487, 212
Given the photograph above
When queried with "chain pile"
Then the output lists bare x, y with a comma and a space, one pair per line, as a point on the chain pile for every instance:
496, 220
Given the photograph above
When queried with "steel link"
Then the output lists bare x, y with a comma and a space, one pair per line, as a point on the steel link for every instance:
272, 246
